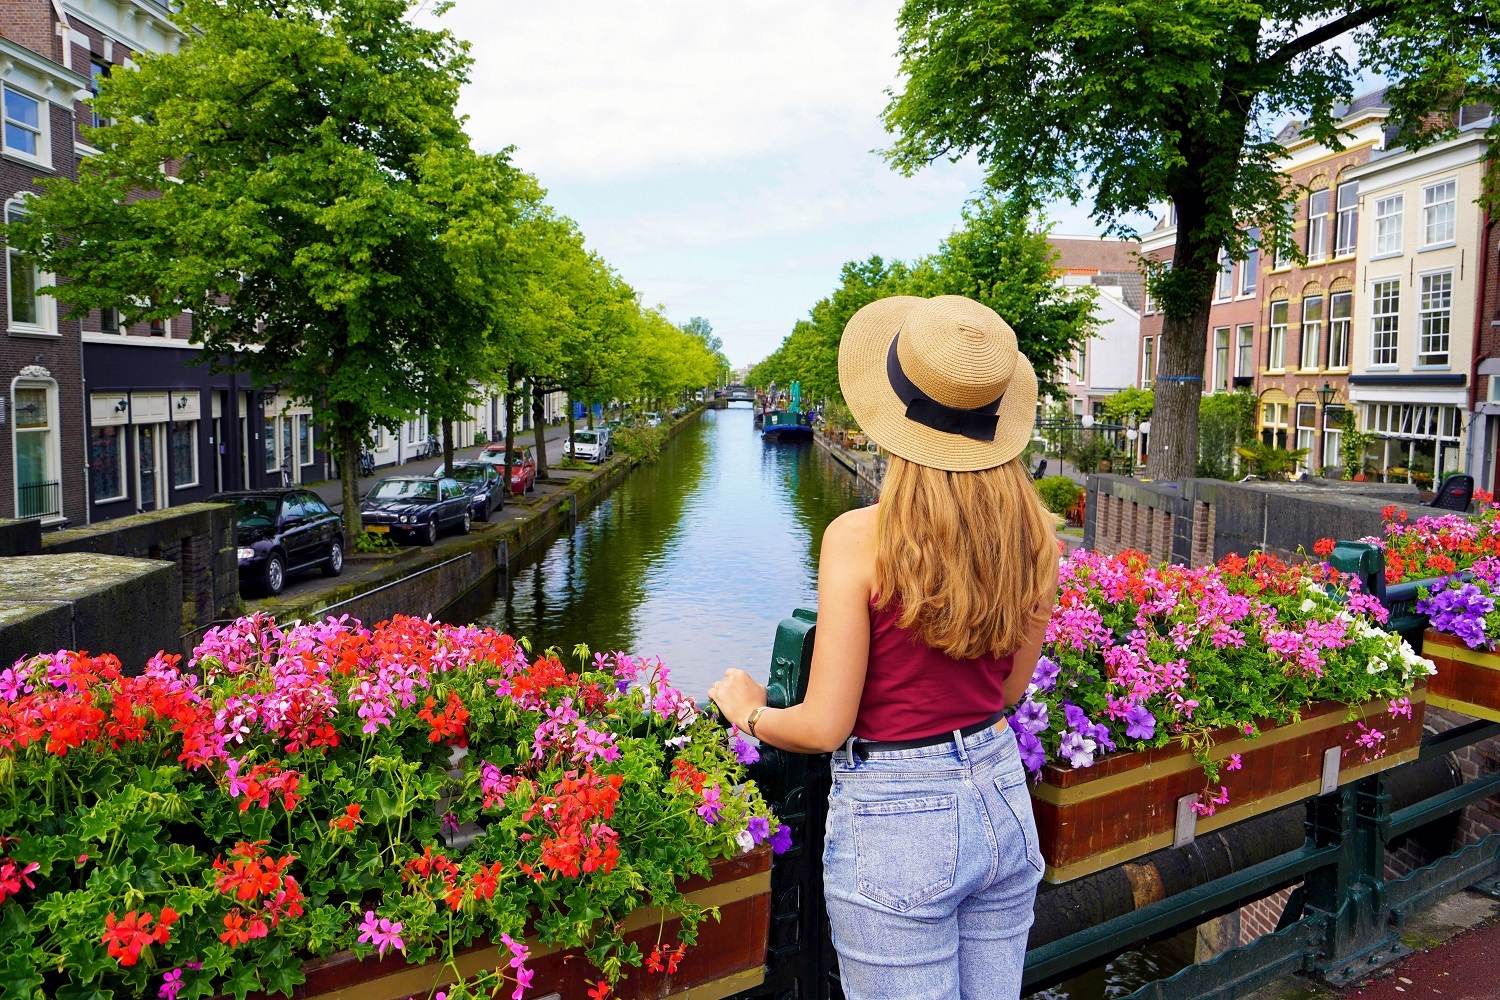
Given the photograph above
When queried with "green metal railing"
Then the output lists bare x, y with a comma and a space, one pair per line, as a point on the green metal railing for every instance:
1341, 920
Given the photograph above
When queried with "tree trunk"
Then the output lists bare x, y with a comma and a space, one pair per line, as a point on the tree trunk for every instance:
510, 422
448, 445
1184, 346
589, 407
348, 444
539, 425
572, 425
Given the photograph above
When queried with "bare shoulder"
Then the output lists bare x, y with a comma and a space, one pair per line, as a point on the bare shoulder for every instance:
852, 531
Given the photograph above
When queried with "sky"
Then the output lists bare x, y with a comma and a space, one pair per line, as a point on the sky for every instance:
720, 156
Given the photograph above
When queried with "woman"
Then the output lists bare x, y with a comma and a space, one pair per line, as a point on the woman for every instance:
931, 611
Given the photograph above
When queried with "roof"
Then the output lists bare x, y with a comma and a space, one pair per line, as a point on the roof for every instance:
1094, 254
1373, 101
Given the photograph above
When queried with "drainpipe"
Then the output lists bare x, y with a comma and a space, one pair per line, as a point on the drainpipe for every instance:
1479, 324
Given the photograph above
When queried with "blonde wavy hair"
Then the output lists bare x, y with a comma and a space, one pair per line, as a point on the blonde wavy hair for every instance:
968, 557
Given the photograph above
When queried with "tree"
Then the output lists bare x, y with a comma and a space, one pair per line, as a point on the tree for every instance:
1147, 102
299, 133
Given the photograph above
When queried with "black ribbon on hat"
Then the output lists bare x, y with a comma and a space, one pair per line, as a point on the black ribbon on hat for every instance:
977, 424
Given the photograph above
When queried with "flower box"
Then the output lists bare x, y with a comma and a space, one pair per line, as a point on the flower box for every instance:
1127, 804
1467, 680
728, 958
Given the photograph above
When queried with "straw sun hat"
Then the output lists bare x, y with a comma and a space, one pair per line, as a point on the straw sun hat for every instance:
938, 381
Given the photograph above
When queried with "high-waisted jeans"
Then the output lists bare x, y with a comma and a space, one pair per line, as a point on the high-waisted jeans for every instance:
930, 870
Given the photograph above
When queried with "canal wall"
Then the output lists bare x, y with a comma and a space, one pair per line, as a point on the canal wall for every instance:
423, 580
869, 469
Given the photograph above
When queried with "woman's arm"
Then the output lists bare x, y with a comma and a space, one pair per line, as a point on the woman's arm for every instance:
1023, 662
841, 653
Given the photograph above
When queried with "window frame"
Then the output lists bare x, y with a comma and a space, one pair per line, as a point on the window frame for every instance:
52, 457
1250, 265
1148, 361
44, 305
1394, 231
1224, 281
43, 130
1315, 240
1317, 337
1221, 374
1347, 322
1393, 315
1426, 314
1346, 219
192, 435
121, 434
1428, 208
1276, 339
1244, 350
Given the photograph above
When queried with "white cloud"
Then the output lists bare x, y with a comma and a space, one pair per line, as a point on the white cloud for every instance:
607, 89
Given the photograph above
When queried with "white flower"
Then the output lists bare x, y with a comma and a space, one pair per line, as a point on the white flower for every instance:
1309, 605
746, 842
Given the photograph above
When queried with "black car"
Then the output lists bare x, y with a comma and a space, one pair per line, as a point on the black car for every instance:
281, 531
416, 508
481, 481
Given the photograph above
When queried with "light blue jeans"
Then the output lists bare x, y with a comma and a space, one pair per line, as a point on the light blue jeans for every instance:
930, 870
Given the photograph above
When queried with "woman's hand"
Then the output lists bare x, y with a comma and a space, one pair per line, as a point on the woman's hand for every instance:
737, 695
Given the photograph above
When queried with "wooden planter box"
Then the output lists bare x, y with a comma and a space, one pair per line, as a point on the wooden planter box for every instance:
729, 957
1467, 680
1130, 804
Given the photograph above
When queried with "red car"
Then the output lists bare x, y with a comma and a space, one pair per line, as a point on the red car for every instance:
522, 466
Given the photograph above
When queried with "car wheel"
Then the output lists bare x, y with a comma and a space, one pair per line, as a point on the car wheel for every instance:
484, 511
334, 564
275, 573
530, 485
466, 524
430, 536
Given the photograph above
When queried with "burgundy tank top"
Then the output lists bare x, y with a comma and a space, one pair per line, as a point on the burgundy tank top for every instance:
913, 691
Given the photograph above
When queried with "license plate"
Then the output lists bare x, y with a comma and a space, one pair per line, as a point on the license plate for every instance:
378, 529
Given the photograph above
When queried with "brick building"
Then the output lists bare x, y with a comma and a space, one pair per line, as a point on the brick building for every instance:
42, 470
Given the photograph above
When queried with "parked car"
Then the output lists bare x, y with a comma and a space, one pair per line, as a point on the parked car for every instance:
282, 531
653, 419
591, 446
415, 508
481, 481
522, 466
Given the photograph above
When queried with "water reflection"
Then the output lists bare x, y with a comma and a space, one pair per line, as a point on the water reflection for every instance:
695, 558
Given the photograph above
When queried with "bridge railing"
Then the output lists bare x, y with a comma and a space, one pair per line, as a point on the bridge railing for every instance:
1341, 920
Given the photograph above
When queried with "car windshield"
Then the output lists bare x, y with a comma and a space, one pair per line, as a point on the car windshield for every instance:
256, 512
586, 437
469, 473
405, 489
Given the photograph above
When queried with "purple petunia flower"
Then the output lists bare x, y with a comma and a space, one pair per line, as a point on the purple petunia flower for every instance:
1076, 717
1045, 675
1030, 716
758, 827
1460, 611
1033, 754
1099, 733
781, 840
744, 752
1078, 749
1140, 724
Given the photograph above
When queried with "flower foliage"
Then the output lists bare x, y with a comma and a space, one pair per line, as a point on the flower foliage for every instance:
1464, 606
1433, 546
1138, 656
198, 831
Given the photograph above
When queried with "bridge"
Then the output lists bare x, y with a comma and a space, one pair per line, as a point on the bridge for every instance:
738, 394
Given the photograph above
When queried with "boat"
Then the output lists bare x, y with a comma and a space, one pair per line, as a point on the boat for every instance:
786, 425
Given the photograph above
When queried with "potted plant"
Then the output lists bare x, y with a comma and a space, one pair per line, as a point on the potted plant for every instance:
1207, 694
403, 807
1462, 632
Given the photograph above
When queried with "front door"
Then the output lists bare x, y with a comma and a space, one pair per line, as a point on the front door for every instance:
149, 466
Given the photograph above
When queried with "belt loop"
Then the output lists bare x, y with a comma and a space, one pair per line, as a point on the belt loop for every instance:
958, 741
849, 751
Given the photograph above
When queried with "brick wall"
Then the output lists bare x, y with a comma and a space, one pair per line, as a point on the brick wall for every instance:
29, 23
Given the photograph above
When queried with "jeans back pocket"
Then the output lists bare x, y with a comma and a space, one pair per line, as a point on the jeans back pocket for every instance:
1018, 801
905, 850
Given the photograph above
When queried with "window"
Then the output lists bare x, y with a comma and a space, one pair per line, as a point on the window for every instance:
1438, 212
1285, 236
1226, 275
1414, 442
1388, 224
1276, 356
184, 453
1079, 362
107, 463
1346, 226
1434, 318
1273, 427
1244, 365
304, 440
1341, 306
1317, 225
97, 71
411, 432
25, 125
1221, 358
1251, 264
38, 491
1307, 434
1148, 361
109, 320
1333, 436
1312, 330
1385, 322
273, 461
28, 310
158, 327
314, 505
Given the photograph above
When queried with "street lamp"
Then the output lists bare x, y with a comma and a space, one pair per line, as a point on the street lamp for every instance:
1087, 421
1145, 427
1325, 395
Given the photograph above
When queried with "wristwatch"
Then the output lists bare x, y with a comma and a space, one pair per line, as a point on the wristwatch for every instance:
754, 718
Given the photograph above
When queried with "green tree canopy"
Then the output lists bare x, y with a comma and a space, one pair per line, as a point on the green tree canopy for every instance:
1142, 102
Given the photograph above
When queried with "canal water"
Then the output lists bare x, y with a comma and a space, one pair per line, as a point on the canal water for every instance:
695, 558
